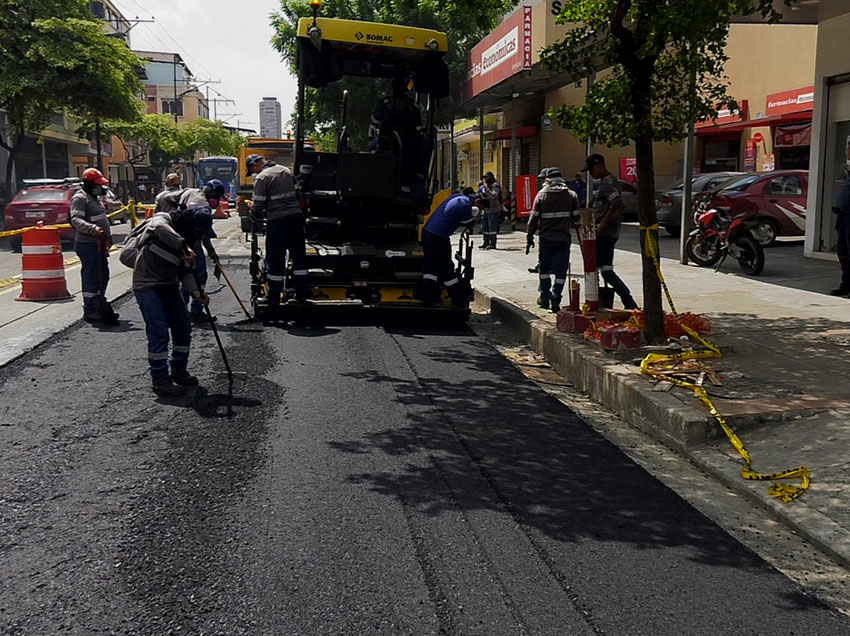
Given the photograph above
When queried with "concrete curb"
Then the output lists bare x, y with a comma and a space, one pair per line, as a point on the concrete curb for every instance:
623, 390
618, 386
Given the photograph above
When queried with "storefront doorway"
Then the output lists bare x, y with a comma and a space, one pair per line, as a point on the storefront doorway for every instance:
721, 153
837, 138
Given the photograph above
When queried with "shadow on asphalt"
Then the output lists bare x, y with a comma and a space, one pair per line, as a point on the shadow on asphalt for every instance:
543, 465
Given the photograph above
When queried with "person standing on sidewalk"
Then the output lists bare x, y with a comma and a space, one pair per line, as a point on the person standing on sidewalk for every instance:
553, 213
275, 199
579, 186
92, 244
491, 192
608, 214
842, 225
164, 262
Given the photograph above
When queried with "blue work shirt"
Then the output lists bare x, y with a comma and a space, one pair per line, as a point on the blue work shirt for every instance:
450, 215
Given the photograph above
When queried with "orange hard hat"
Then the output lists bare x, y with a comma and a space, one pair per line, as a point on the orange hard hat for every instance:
95, 176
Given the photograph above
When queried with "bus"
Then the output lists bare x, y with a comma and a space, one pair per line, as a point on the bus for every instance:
225, 169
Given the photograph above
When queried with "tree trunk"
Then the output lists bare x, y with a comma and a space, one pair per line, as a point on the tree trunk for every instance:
10, 163
653, 313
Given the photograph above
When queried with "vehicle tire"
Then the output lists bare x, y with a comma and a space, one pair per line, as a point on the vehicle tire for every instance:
16, 243
673, 231
764, 232
702, 254
752, 255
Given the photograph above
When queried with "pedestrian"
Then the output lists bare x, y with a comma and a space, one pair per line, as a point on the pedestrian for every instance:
456, 211
165, 262
553, 213
842, 226
491, 192
275, 199
608, 213
579, 186
192, 220
168, 200
92, 243
121, 193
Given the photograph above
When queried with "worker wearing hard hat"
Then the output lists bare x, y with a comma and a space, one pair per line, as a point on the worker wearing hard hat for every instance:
92, 244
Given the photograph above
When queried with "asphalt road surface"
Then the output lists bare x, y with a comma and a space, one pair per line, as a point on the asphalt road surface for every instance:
369, 481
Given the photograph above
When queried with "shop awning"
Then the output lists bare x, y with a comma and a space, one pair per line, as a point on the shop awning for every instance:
738, 126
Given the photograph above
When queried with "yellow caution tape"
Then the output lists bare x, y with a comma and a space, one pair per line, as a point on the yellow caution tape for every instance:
785, 492
61, 226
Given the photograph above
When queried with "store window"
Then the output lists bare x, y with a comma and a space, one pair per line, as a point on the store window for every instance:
792, 146
721, 155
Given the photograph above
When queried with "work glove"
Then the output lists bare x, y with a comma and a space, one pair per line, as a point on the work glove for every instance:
529, 244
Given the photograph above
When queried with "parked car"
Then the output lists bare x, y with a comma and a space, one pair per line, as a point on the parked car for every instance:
779, 199
112, 204
48, 201
630, 199
669, 202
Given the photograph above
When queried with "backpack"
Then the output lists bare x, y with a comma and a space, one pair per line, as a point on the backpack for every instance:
133, 244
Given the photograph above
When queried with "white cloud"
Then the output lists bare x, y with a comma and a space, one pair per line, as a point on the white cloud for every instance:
220, 40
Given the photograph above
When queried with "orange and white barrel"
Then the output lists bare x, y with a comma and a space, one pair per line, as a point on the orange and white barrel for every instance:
43, 268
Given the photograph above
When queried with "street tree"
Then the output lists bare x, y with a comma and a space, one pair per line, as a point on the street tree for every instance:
465, 21
203, 135
666, 60
54, 56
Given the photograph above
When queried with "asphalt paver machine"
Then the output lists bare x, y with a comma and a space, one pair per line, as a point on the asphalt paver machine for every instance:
364, 207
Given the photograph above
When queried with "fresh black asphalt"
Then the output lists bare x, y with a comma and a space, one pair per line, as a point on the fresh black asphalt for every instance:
371, 480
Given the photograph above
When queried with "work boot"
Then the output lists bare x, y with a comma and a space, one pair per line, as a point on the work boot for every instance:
167, 388
555, 306
840, 291
93, 317
543, 302
183, 378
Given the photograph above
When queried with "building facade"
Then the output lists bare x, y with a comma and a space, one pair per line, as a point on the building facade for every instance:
770, 73
271, 125
170, 87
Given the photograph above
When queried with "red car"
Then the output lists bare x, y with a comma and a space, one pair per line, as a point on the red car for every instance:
47, 201
778, 199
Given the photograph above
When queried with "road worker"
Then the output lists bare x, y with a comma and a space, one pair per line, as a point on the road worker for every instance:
455, 212
194, 222
168, 199
553, 214
275, 200
165, 262
92, 244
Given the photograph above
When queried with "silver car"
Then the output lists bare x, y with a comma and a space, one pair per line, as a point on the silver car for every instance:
669, 202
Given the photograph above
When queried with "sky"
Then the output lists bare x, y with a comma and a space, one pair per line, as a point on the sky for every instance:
219, 40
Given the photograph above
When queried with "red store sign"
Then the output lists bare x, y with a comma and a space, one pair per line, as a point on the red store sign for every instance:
794, 101
505, 52
726, 116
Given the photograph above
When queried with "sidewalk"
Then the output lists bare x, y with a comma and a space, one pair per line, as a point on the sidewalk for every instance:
789, 399
25, 325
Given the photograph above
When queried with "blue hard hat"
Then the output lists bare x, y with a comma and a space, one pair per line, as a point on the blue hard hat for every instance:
214, 187
250, 160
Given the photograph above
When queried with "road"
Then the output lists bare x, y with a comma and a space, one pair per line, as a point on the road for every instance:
369, 481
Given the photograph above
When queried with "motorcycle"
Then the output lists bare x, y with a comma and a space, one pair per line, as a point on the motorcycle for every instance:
717, 236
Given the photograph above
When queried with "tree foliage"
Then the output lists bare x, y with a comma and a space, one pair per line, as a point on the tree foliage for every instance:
465, 21
666, 61
54, 56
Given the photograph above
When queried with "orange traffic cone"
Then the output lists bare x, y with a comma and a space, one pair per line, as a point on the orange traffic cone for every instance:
43, 269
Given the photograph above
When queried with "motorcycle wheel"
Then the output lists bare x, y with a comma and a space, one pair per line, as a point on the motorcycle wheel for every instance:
752, 255
702, 253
